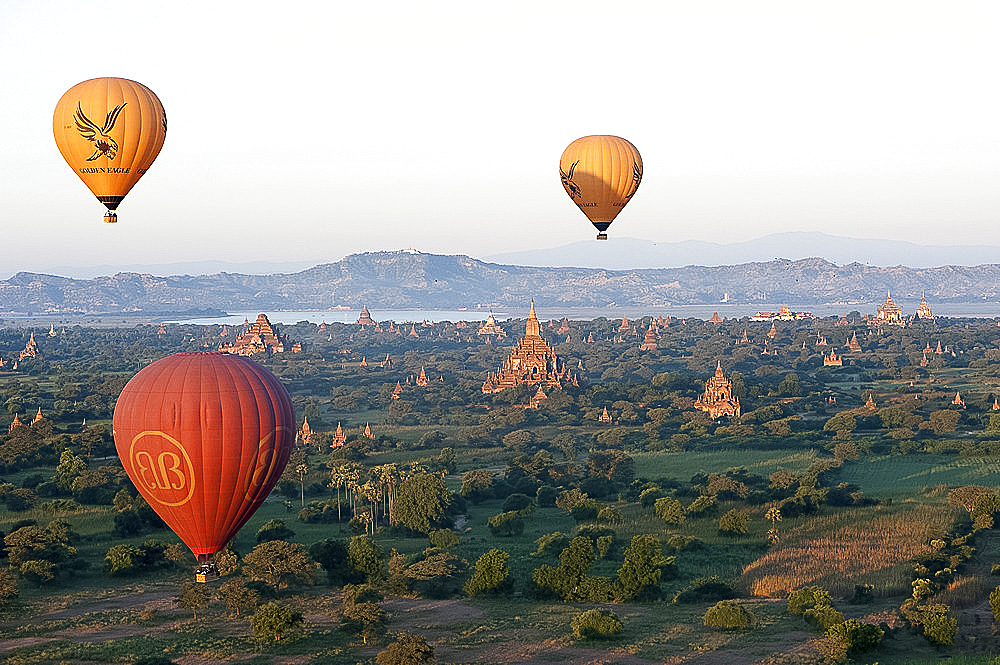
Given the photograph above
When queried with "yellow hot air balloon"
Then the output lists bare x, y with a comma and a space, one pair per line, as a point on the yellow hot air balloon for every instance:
109, 130
600, 173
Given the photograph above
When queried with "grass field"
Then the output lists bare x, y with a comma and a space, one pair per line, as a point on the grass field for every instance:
683, 465
909, 475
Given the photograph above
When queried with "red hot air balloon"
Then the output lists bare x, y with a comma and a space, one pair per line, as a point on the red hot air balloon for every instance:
204, 437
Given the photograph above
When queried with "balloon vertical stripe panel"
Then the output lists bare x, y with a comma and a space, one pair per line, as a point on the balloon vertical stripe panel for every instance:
204, 438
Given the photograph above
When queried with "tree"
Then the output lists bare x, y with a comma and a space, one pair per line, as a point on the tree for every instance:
238, 596
491, 573
735, 521
643, 567
477, 485
807, 598
194, 597
70, 466
944, 420
436, 575
849, 638
669, 509
406, 650
278, 563
366, 558
331, 555
363, 618
421, 502
276, 620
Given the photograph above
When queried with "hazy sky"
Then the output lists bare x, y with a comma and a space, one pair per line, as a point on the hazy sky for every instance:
310, 131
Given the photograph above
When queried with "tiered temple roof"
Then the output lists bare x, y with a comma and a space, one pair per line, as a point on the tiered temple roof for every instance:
649, 341
889, 312
491, 328
365, 319
532, 361
259, 337
924, 310
30, 349
718, 399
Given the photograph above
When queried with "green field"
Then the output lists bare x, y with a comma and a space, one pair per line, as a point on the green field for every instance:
906, 475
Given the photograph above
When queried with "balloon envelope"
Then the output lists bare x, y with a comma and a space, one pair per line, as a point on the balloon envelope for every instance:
109, 131
600, 173
204, 437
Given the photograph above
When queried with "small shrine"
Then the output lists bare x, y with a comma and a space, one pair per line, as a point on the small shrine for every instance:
833, 360
852, 344
605, 417
422, 381
339, 437
649, 341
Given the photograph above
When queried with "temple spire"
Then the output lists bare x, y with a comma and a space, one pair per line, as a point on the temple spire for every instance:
532, 328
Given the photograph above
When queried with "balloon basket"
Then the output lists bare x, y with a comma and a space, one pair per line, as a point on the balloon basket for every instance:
602, 236
206, 573
110, 217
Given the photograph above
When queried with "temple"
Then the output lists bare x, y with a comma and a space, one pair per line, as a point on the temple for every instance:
852, 344
365, 319
649, 341
718, 398
924, 310
30, 349
305, 434
339, 438
532, 361
889, 313
259, 337
491, 328
833, 360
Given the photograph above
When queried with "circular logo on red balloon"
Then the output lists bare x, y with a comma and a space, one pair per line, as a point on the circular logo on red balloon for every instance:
162, 468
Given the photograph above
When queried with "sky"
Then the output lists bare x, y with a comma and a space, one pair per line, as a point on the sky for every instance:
307, 131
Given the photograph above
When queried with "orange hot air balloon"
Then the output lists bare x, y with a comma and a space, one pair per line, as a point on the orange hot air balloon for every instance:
600, 173
109, 131
204, 437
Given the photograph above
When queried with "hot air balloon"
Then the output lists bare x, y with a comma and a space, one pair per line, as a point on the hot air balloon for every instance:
109, 131
600, 174
204, 437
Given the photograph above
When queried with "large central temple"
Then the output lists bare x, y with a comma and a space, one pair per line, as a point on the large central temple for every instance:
532, 361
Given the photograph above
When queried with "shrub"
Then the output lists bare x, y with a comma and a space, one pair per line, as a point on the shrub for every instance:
807, 598
546, 495
863, 594
848, 638
728, 615
669, 510
705, 589
275, 621
596, 625
995, 603
517, 502
649, 496
586, 510
406, 650
443, 538
734, 521
507, 524
492, 574
551, 544
274, 530
823, 617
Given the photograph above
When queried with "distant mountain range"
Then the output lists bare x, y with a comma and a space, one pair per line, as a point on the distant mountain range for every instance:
408, 279
630, 253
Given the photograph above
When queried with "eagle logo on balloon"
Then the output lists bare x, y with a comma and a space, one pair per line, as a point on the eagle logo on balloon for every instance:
104, 145
574, 189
